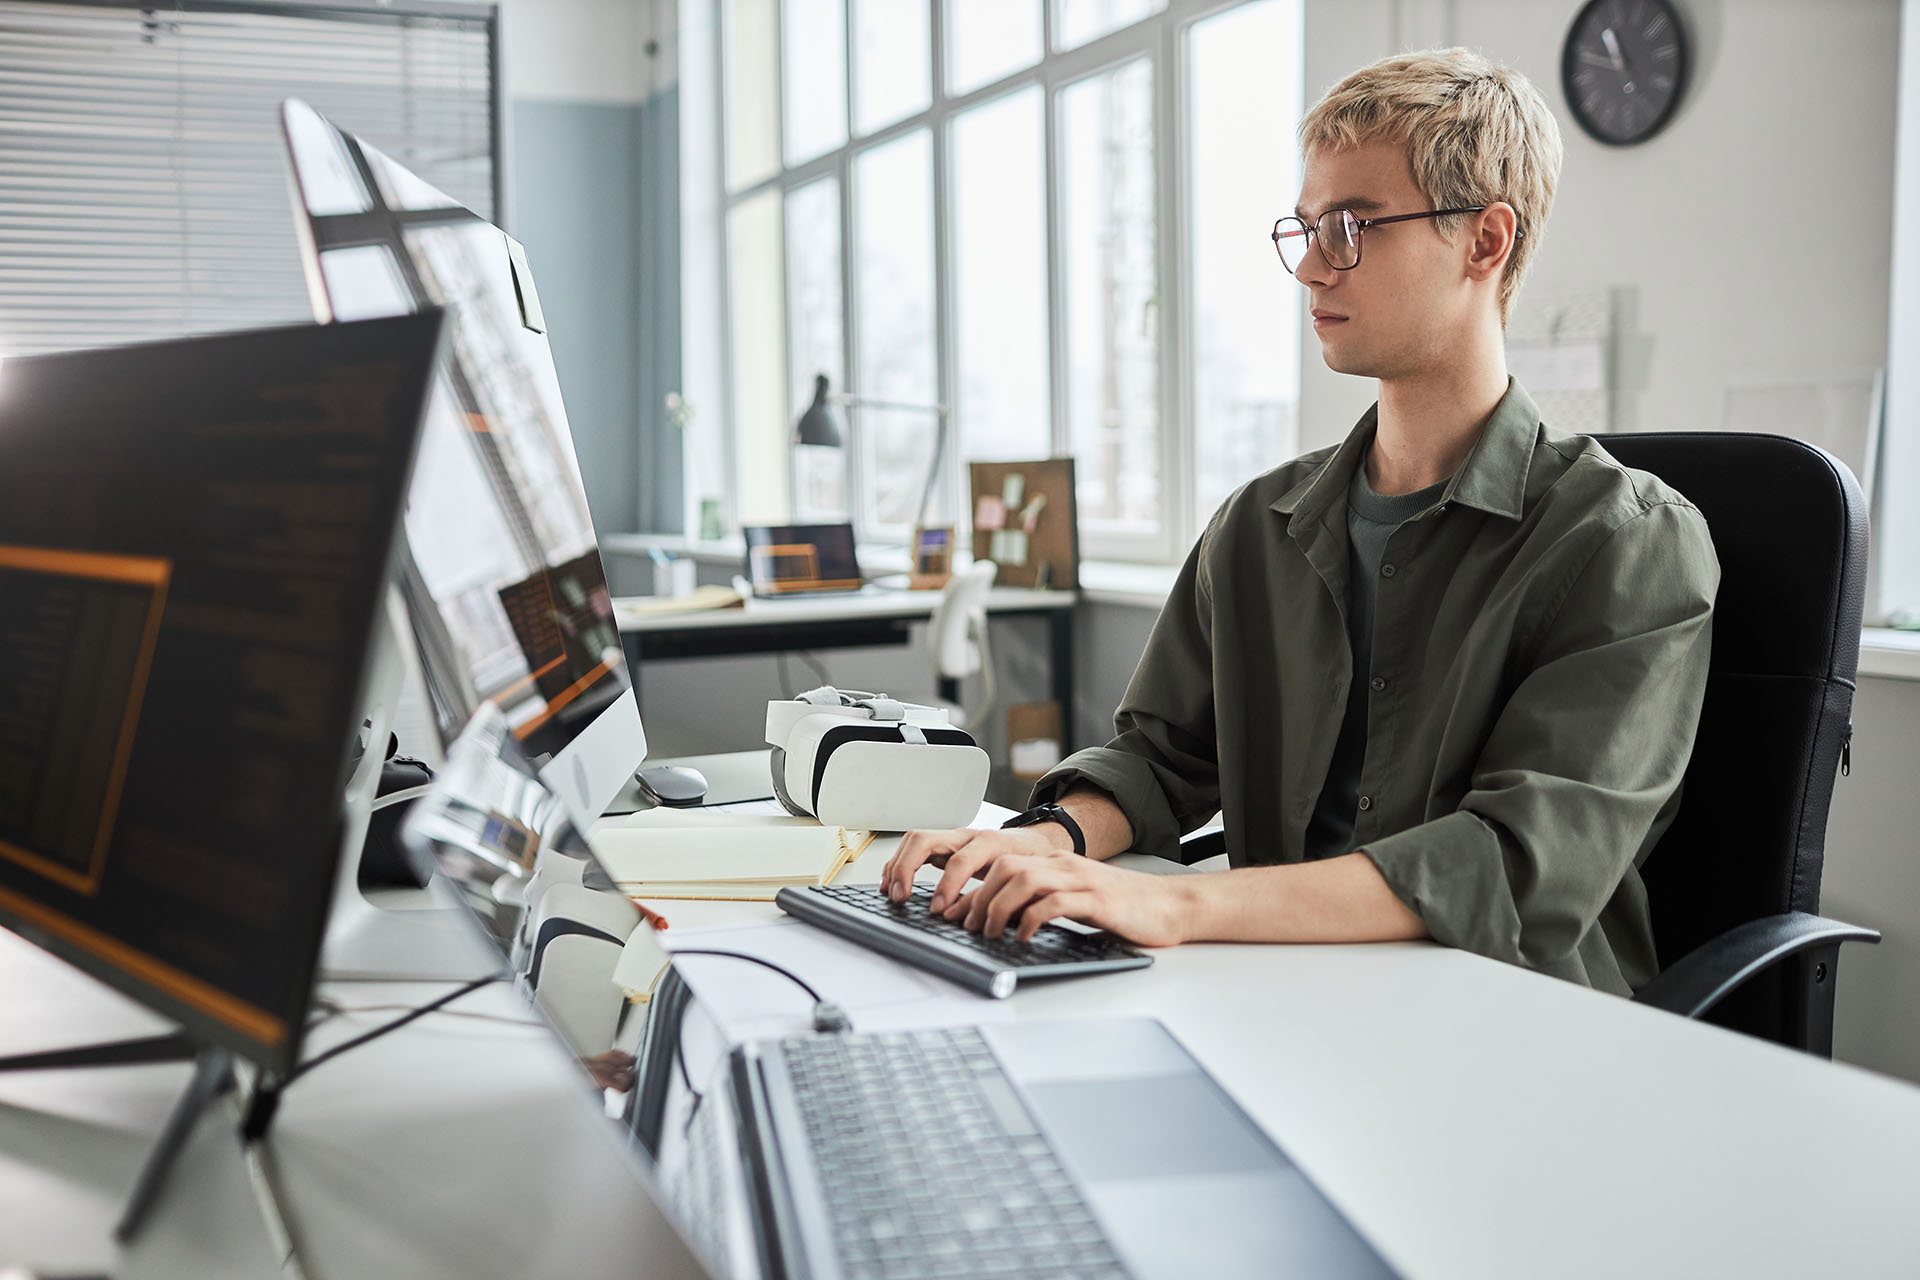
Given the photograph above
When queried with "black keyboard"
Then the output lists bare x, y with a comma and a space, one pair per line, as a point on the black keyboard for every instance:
909, 932
934, 1166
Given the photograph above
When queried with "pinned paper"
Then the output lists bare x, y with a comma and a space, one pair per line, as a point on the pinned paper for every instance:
1013, 489
991, 513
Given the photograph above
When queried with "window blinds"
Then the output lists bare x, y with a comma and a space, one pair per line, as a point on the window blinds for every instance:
143, 187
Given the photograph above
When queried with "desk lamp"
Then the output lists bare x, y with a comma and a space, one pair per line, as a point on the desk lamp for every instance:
819, 425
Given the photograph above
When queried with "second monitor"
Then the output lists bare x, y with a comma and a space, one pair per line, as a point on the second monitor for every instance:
501, 572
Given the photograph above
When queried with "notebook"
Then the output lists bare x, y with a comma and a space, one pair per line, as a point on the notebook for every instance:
682, 853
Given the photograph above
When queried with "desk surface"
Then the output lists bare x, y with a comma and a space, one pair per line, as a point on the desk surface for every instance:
1474, 1121
832, 608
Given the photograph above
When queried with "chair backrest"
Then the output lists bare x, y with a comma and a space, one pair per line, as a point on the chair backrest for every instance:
953, 629
1790, 528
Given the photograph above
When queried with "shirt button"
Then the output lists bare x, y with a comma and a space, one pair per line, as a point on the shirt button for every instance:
1386, 571
1377, 683
1366, 803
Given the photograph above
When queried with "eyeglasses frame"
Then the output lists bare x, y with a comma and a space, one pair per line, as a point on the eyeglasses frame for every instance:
1311, 230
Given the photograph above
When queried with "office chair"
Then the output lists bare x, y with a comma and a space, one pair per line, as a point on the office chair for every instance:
1734, 883
957, 638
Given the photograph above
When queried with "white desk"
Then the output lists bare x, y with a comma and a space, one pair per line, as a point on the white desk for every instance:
871, 617
1474, 1121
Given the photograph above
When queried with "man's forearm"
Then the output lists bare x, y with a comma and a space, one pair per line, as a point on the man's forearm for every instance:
1102, 822
1343, 899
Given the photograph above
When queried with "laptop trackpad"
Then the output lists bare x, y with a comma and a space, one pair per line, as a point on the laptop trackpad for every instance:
1187, 1185
1149, 1127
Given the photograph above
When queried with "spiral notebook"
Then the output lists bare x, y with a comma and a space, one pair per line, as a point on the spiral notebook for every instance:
685, 853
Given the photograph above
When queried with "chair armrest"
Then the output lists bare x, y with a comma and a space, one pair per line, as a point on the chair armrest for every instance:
1198, 847
1704, 976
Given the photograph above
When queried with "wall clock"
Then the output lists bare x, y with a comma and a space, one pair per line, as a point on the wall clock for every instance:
1623, 68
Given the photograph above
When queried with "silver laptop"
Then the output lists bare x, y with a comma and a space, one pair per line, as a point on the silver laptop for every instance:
1091, 1149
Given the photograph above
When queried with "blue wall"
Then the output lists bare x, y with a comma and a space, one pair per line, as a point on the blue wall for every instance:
604, 247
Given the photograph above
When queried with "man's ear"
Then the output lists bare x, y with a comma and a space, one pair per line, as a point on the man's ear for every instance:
1495, 231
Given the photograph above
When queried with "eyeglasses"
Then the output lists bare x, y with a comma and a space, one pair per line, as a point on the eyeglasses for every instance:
1337, 232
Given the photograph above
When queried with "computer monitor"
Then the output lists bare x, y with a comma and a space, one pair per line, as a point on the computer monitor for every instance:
196, 540
502, 576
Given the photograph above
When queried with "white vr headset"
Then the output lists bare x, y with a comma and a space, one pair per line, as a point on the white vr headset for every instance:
867, 761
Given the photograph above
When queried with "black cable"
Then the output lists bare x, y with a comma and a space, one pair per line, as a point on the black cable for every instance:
827, 1016
789, 974
819, 667
421, 1012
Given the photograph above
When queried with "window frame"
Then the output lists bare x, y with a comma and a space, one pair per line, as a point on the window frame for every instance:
1162, 40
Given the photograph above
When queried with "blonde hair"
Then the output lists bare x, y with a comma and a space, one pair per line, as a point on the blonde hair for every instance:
1475, 133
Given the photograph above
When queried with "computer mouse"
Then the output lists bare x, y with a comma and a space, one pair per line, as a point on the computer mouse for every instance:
674, 785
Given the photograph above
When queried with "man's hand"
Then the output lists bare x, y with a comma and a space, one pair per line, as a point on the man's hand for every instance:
1033, 874
1026, 891
964, 854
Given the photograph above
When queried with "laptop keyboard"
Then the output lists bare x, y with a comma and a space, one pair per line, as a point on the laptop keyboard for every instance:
1051, 944
931, 1166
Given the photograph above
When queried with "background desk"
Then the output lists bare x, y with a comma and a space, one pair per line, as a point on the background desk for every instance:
840, 622
1475, 1121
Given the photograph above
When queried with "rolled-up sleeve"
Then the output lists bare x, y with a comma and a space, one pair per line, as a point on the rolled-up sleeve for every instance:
1162, 765
1582, 769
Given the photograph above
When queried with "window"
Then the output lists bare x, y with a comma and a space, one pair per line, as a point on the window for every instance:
1047, 218
894, 337
1245, 402
814, 321
1109, 235
1001, 391
136, 209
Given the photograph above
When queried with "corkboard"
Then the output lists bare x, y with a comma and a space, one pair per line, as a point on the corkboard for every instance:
1050, 532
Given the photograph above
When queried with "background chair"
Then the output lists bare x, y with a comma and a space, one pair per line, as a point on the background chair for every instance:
1735, 881
957, 640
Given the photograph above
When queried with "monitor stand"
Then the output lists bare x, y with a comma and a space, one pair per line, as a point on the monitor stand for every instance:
212, 1077
424, 940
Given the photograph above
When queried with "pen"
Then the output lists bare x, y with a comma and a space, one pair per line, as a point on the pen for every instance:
648, 914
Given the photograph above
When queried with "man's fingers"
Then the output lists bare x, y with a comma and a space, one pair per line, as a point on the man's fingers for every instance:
1016, 896
916, 849
962, 866
1052, 906
982, 898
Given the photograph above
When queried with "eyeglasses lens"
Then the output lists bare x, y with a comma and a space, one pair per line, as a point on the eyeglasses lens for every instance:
1290, 238
1339, 233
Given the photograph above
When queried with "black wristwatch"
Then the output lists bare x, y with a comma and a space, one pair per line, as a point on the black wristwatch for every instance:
1050, 813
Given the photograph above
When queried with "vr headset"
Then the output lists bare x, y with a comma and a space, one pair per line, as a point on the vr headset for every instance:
867, 761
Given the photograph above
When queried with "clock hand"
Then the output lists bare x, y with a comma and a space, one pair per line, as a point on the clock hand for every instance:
1595, 60
1613, 49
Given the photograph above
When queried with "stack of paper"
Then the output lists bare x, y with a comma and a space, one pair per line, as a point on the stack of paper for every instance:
685, 853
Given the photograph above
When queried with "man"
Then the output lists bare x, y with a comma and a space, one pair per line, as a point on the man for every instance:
1442, 680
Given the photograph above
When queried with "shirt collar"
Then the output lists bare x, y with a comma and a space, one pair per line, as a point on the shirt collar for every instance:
1492, 479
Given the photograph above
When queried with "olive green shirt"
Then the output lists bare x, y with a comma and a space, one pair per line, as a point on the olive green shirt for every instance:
1539, 655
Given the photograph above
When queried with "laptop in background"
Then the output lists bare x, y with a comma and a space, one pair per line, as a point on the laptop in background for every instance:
802, 559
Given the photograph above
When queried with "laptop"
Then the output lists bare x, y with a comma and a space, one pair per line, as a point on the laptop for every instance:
801, 559
944, 1152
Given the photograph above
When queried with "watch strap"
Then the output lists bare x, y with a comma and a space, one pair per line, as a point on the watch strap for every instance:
1051, 813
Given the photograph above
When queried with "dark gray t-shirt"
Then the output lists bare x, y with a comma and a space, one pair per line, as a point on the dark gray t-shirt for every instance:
1371, 520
